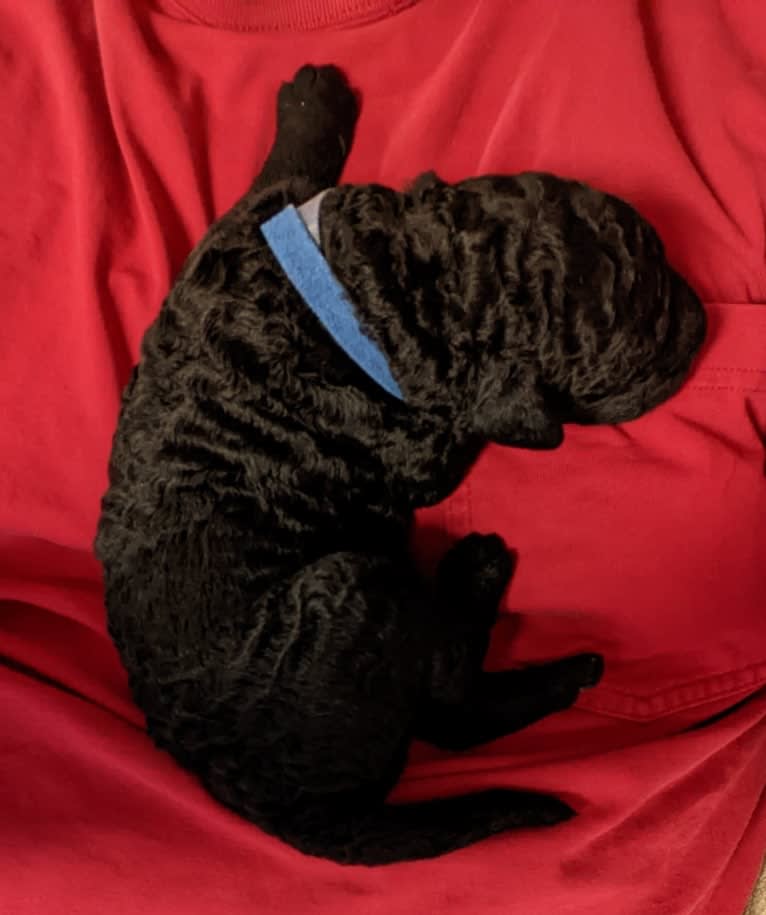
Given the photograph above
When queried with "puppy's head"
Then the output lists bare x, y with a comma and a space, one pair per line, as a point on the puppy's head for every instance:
587, 321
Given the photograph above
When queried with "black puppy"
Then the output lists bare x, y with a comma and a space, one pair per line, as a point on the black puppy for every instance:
254, 535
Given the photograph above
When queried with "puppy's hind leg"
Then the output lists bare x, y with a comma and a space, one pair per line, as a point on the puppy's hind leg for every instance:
388, 833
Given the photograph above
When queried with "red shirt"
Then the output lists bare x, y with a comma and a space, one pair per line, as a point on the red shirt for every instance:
127, 127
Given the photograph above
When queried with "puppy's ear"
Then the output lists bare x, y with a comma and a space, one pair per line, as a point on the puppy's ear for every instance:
514, 413
423, 184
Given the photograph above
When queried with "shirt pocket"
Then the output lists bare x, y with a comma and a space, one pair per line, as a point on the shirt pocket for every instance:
646, 541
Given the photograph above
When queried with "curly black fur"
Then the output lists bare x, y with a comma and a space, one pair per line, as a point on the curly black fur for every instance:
254, 535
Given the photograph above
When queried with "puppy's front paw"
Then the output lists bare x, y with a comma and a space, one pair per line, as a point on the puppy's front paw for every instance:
475, 572
569, 675
589, 669
319, 100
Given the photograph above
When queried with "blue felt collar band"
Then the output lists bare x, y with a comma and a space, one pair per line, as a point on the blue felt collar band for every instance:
293, 236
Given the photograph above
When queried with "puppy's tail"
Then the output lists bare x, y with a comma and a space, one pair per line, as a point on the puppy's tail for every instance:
408, 832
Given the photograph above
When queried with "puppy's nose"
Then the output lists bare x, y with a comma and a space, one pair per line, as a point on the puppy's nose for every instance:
693, 318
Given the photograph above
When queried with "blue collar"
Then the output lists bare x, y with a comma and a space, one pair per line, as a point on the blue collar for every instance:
293, 236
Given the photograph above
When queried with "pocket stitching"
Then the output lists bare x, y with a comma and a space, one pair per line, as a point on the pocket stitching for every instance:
613, 701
